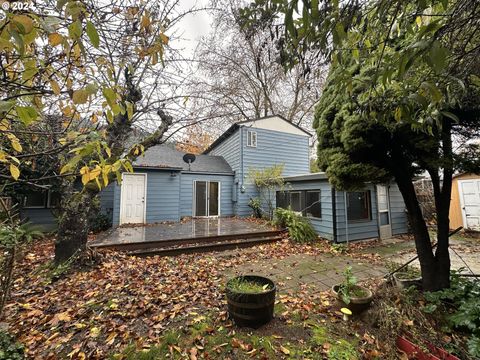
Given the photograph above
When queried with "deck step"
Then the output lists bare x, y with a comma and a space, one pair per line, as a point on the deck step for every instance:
206, 247
204, 240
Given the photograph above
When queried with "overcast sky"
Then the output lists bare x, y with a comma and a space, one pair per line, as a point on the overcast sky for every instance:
193, 26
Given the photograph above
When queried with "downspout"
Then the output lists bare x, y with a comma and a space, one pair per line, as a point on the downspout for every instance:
334, 215
242, 174
346, 215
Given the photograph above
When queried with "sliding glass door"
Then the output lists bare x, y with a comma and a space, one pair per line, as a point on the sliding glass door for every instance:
206, 198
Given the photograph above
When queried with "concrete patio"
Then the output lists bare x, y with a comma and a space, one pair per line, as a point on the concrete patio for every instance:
317, 273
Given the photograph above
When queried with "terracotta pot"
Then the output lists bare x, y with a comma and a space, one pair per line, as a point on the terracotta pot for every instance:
357, 304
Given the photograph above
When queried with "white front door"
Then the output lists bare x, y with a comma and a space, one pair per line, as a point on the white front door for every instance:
132, 200
469, 191
383, 203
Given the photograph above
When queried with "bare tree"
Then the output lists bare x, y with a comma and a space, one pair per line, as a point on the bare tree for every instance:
239, 76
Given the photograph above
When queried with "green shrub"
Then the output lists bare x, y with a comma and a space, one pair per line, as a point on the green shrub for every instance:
100, 222
256, 205
9, 348
299, 228
462, 302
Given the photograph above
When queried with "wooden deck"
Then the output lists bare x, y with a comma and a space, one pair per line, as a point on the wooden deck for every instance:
193, 235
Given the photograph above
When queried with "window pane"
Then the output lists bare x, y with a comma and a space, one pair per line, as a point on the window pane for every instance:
54, 200
36, 199
282, 200
201, 198
251, 138
213, 199
295, 201
358, 205
312, 204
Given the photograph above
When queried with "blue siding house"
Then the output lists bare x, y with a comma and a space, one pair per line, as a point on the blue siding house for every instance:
166, 187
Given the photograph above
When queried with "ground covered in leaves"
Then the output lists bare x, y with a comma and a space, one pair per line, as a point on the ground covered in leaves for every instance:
115, 306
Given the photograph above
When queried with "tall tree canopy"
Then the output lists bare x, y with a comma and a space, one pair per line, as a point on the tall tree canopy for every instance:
77, 79
402, 92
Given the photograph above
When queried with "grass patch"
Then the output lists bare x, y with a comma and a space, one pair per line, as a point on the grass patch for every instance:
246, 286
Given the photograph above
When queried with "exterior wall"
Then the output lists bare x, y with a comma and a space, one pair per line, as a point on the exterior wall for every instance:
456, 218
231, 151
186, 192
46, 220
273, 148
106, 200
42, 218
163, 197
356, 230
398, 213
323, 225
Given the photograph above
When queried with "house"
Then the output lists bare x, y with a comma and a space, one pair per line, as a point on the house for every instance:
465, 202
166, 187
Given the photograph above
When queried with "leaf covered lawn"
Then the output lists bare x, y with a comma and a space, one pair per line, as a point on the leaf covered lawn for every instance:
114, 302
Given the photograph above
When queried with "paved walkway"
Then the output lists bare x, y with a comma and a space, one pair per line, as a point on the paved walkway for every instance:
462, 251
319, 272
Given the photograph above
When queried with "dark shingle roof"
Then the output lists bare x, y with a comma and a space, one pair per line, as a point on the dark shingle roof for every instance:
166, 157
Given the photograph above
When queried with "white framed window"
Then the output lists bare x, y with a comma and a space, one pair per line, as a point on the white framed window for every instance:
251, 138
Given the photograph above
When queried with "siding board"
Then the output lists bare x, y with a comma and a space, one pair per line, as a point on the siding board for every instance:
186, 192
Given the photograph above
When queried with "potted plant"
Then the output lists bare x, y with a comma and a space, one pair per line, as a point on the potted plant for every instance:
354, 297
408, 276
250, 300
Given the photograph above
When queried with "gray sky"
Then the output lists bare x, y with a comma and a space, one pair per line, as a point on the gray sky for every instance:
193, 26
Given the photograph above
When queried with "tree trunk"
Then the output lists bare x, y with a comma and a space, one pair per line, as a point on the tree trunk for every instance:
435, 269
73, 224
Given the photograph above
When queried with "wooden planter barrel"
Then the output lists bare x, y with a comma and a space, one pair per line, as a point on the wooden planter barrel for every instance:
251, 309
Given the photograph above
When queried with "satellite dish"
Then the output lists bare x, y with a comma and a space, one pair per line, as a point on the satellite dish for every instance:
189, 158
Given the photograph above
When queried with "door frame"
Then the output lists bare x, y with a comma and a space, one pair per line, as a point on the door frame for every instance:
462, 202
144, 196
194, 198
388, 211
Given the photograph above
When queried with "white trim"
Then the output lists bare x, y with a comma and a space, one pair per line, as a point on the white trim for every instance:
144, 197
388, 211
275, 123
251, 134
462, 203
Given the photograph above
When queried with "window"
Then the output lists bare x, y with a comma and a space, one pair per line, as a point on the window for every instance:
359, 206
296, 200
41, 199
53, 199
252, 138
35, 199
282, 199
313, 207
305, 201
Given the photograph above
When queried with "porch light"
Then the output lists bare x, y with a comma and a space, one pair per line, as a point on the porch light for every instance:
173, 174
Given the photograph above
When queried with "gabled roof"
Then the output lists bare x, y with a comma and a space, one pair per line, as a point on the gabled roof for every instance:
167, 157
239, 124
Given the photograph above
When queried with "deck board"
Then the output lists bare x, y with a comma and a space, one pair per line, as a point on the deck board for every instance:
202, 228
